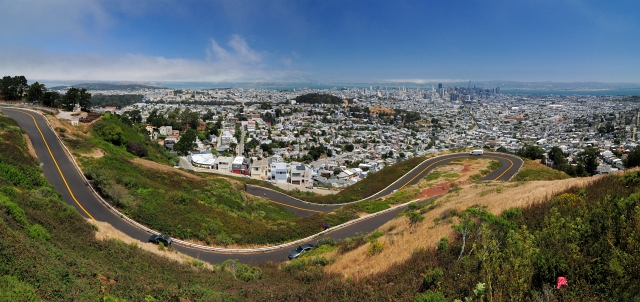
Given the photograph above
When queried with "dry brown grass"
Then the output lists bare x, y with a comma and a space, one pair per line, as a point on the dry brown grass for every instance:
107, 232
381, 109
32, 151
403, 240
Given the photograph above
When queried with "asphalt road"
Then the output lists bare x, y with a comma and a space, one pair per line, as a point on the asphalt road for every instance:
59, 170
510, 166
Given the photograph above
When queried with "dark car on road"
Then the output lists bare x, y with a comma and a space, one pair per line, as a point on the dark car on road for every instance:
157, 238
295, 253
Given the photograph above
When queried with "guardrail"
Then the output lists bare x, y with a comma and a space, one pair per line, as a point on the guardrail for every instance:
225, 250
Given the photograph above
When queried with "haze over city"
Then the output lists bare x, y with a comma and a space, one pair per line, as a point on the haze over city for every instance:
321, 41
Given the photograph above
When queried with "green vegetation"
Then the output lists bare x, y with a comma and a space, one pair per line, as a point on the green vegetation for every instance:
589, 236
315, 98
372, 184
119, 101
48, 252
206, 208
532, 170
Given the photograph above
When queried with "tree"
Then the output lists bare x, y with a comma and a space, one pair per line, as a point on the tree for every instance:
36, 92
531, 152
137, 149
157, 119
186, 143
349, 147
75, 96
590, 159
502, 149
51, 99
109, 131
633, 158
557, 156
134, 116
12, 88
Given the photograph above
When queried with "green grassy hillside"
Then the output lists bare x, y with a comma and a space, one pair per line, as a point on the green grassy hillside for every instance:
207, 208
48, 252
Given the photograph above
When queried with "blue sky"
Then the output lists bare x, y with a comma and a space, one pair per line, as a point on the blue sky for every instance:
321, 41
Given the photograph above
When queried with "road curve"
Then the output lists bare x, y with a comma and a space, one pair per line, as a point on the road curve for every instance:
60, 171
510, 166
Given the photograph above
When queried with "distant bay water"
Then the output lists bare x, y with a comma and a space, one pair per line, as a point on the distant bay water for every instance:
593, 92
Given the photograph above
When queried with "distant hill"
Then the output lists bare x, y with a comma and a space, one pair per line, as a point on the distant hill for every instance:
107, 86
315, 98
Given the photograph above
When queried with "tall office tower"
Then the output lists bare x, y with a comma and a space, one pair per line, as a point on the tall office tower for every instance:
498, 90
469, 85
439, 85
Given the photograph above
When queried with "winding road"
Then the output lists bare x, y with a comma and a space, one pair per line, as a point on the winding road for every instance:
60, 171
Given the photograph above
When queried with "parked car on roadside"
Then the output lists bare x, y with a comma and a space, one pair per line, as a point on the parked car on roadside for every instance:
295, 253
157, 238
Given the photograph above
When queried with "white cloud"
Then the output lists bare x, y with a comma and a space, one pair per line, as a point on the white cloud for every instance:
238, 62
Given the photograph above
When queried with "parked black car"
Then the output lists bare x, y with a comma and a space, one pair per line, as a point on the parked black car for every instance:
157, 238
295, 253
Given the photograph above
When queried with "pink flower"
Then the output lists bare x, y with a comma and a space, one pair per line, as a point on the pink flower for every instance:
562, 281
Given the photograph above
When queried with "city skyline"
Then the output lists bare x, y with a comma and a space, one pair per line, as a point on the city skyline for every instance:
326, 41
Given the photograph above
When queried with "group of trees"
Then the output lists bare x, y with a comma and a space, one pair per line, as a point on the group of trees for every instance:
316, 98
16, 89
586, 161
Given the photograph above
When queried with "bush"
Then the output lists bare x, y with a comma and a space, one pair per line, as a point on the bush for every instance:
12, 289
326, 241
375, 248
373, 237
137, 149
432, 278
109, 132
443, 244
430, 296
14, 210
36, 231
319, 261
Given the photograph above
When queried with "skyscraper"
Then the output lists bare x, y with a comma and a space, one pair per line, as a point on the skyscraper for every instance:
439, 85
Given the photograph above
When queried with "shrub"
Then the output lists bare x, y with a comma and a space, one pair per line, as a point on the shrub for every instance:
374, 236
137, 149
12, 289
198, 264
14, 210
375, 248
443, 244
319, 261
326, 241
432, 278
109, 132
430, 296
295, 265
414, 218
36, 231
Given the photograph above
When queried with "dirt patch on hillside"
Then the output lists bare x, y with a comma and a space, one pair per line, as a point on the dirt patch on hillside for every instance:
106, 232
159, 167
95, 153
32, 150
398, 244
465, 169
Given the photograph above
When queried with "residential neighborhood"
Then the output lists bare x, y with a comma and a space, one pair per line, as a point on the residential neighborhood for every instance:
279, 136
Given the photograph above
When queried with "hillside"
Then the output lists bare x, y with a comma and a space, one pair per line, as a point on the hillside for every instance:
520, 236
204, 209
48, 252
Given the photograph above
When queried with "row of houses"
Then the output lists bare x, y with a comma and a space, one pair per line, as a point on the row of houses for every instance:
276, 170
